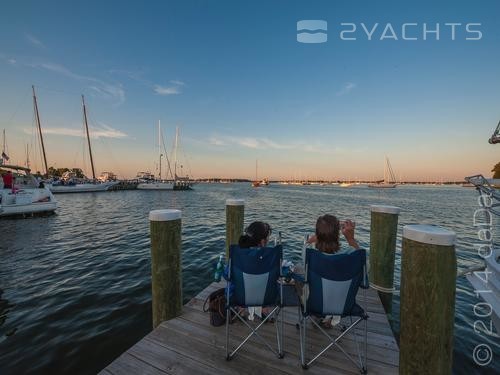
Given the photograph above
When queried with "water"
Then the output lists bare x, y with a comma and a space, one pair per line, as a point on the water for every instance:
76, 285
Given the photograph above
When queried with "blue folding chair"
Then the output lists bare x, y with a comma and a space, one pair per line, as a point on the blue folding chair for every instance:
333, 281
252, 282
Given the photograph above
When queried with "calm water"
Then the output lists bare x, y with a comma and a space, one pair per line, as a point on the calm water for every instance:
76, 285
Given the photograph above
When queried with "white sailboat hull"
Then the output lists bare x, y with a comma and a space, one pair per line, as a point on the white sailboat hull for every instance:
382, 186
81, 188
156, 186
26, 202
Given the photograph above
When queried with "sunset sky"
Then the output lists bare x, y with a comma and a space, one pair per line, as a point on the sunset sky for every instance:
241, 87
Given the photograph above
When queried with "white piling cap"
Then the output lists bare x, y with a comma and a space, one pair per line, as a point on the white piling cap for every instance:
429, 234
164, 215
235, 202
385, 209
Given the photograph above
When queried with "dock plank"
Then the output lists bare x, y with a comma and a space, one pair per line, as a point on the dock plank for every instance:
189, 344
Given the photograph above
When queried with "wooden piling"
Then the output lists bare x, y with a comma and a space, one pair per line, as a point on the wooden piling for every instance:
428, 278
235, 213
383, 235
166, 274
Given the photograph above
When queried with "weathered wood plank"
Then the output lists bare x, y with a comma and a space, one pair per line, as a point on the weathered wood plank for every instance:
291, 338
188, 344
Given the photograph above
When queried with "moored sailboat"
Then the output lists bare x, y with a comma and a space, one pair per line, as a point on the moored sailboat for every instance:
389, 178
176, 182
70, 184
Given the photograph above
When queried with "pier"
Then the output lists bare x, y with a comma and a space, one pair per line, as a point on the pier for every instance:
188, 344
184, 342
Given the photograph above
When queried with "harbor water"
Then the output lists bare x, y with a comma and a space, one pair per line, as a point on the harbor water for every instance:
75, 287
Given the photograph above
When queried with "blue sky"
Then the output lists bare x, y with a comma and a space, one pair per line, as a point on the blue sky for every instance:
234, 78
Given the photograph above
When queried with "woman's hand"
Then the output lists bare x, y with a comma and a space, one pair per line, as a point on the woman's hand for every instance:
347, 228
311, 239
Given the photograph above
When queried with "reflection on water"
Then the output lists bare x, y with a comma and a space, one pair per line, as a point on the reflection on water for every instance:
76, 285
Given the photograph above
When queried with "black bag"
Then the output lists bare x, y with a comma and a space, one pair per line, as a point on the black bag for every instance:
217, 307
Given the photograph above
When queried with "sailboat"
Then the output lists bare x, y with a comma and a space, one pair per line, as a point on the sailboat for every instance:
389, 177
176, 183
69, 184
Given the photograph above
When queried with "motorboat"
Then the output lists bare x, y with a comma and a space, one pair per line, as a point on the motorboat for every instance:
27, 196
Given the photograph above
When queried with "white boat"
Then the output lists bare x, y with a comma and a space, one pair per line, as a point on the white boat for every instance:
81, 187
389, 178
27, 197
69, 183
147, 180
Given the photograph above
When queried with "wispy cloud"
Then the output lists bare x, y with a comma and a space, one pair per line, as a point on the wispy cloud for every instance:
248, 142
173, 89
347, 88
302, 146
178, 83
106, 89
12, 61
166, 90
96, 132
35, 41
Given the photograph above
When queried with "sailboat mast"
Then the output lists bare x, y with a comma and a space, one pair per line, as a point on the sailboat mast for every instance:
385, 170
88, 136
37, 116
175, 153
159, 147
27, 156
256, 165
3, 148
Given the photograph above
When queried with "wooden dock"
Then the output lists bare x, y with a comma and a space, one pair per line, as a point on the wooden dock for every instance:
190, 345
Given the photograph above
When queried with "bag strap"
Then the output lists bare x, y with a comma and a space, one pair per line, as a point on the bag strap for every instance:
205, 304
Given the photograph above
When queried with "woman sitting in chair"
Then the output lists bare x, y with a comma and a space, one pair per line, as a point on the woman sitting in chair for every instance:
326, 238
257, 234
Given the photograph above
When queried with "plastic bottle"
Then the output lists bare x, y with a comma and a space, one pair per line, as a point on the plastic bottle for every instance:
219, 270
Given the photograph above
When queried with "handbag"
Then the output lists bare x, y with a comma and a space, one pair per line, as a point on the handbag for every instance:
217, 307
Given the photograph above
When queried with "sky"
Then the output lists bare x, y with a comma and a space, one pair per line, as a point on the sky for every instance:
240, 86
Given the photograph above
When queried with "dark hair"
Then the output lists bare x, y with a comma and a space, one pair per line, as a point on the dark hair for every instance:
327, 234
254, 234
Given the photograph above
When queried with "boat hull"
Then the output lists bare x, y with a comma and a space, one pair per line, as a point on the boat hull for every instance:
81, 188
382, 186
156, 186
26, 202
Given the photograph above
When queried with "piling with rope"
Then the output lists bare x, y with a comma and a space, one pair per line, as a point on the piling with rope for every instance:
235, 213
165, 226
428, 278
383, 235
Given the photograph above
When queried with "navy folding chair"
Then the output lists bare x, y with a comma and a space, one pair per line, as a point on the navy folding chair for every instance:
333, 281
253, 282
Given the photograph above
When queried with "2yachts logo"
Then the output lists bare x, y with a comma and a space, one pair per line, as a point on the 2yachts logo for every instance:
314, 31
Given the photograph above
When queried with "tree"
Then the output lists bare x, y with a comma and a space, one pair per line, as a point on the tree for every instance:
496, 170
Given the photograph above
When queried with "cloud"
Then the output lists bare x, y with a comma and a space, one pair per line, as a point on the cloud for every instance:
347, 88
173, 89
178, 83
248, 142
12, 61
302, 146
35, 41
166, 90
105, 89
96, 132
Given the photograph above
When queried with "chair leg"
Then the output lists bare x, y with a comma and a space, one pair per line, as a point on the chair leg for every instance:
228, 317
302, 334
